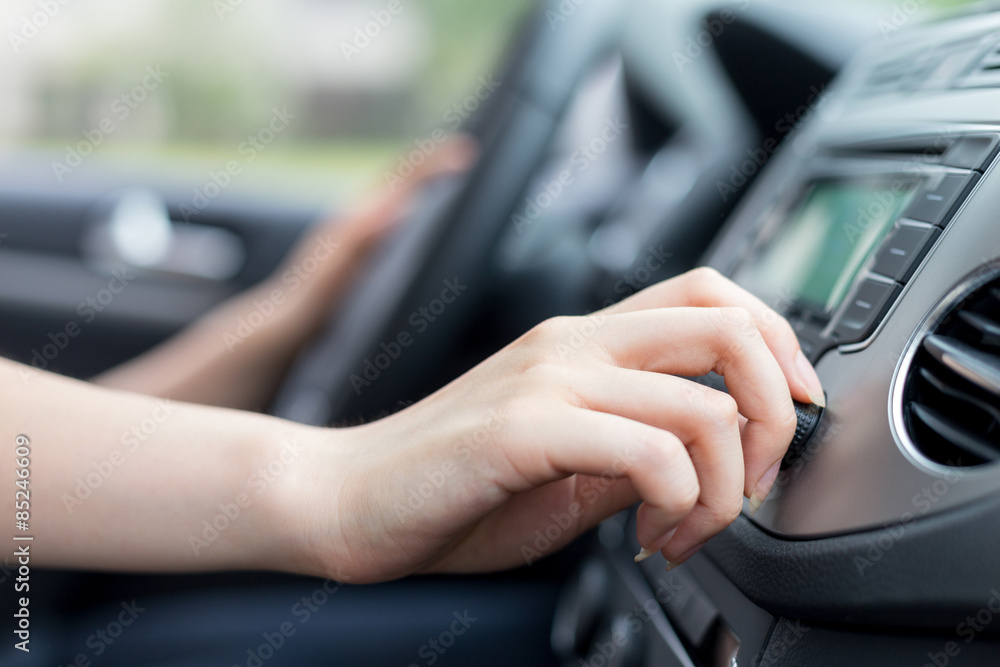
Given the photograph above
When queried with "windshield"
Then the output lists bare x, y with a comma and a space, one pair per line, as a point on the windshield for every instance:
312, 98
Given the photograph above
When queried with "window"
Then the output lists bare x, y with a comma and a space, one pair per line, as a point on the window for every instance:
310, 98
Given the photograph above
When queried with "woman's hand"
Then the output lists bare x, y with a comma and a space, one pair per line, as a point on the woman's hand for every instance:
576, 420
353, 236
236, 355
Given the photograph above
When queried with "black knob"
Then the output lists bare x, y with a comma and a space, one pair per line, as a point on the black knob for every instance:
809, 415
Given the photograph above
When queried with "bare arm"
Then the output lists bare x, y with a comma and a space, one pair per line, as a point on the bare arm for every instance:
236, 355
579, 418
127, 482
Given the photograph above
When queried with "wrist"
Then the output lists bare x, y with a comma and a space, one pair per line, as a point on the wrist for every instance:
305, 469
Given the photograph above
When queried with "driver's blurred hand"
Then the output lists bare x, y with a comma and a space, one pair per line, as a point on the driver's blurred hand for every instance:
345, 241
236, 355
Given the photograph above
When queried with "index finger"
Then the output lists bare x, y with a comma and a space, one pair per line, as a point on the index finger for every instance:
708, 288
695, 341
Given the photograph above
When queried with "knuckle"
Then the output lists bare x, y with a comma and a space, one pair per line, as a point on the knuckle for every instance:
737, 335
524, 407
720, 408
773, 321
705, 274
736, 318
769, 317
566, 335
789, 423
549, 330
668, 454
726, 511
660, 451
543, 377
538, 349
683, 496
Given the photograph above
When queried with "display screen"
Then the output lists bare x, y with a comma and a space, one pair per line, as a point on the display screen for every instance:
810, 261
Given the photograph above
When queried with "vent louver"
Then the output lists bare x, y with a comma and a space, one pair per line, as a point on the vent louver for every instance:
986, 73
951, 398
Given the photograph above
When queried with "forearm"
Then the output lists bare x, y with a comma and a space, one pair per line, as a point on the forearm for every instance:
235, 357
126, 482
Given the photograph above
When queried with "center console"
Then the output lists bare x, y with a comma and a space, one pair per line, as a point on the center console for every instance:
871, 230
836, 249
875, 231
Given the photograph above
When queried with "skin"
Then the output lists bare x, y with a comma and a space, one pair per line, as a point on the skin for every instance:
574, 421
206, 363
571, 400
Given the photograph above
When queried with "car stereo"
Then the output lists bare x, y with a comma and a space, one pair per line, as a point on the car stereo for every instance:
834, 255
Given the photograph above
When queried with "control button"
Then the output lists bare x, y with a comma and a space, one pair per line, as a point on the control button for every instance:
810, 335
903, 250
865, 311
972, 152
935, 200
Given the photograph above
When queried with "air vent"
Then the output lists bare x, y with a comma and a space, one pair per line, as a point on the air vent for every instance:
887, 77
986, 73
951, 396
971, 62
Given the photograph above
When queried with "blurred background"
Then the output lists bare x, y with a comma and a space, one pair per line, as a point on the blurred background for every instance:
361, 91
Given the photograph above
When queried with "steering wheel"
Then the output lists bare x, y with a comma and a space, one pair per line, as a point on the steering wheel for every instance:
434, 273
436, 298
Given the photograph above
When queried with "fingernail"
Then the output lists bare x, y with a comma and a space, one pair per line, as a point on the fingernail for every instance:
807, 376
683, 558
656, 546
763, 488
644, 554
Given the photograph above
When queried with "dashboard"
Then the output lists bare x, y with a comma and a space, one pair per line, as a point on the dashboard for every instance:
875, 231
632, 140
